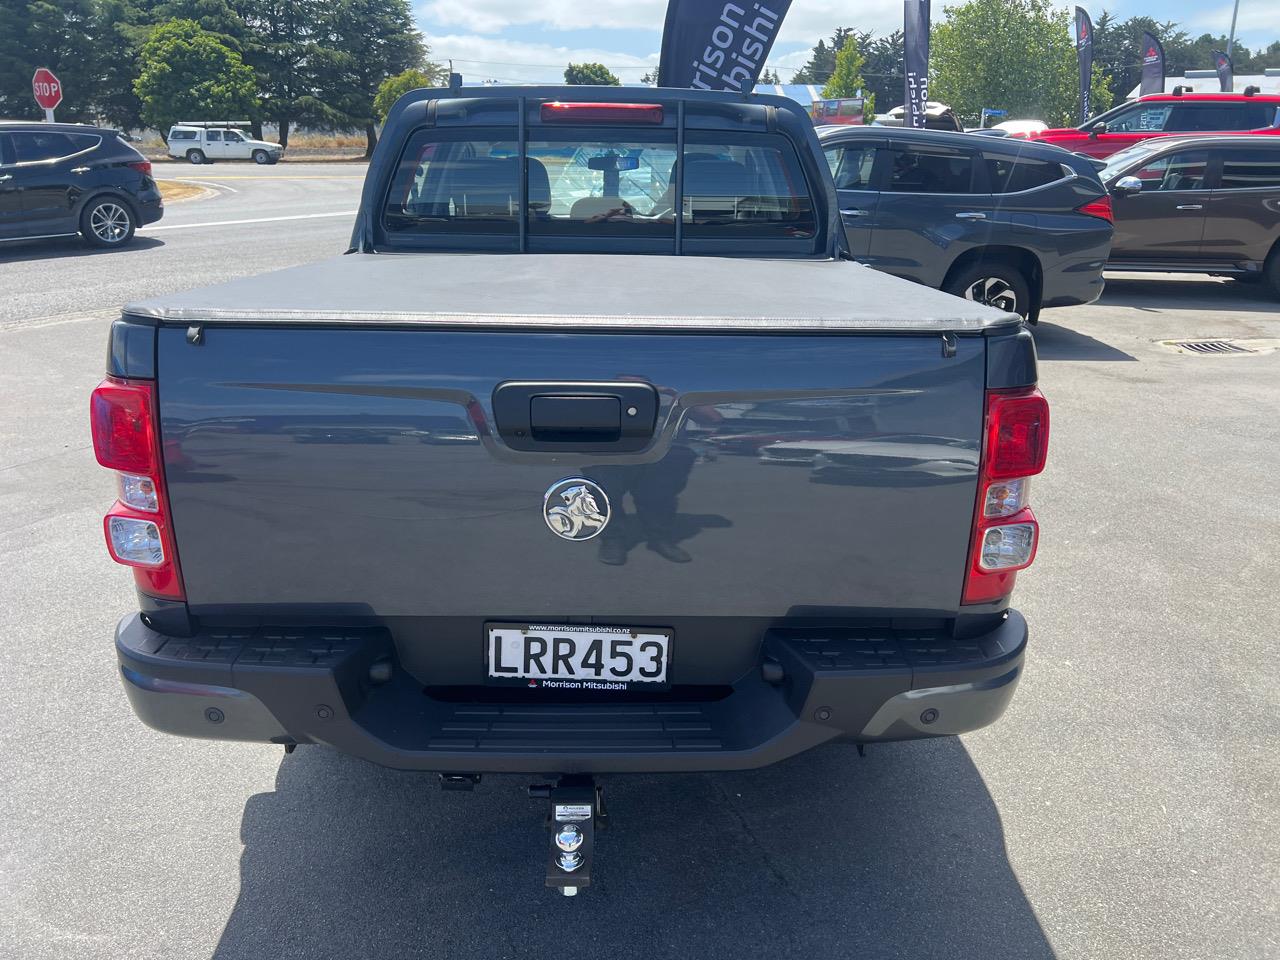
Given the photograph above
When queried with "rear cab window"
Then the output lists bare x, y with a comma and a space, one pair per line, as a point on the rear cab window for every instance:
591, 183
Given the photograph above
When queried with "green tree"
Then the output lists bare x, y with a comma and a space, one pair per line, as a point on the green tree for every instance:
770, 76
186, 73
42, 33
1016, 55
846, 80
359, 44
281, 39
594, 74
393, 88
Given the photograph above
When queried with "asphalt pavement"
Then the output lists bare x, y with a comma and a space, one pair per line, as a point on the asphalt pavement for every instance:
1125, 806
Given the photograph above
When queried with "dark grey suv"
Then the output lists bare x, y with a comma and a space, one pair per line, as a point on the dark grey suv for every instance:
1198, 205
1014, 224
63, 179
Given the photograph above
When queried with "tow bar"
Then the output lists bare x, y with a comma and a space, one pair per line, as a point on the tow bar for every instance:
577, 807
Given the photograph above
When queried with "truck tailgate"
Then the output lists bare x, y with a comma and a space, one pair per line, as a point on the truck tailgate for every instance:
358, 471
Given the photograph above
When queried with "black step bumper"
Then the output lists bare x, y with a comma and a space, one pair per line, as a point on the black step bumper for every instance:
342, 687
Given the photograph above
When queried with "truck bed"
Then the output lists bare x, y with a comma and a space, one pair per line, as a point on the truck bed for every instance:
582, 292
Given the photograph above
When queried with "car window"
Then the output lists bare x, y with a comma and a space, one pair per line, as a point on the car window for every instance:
213, 136
929, 169
744, 187
1259, 116
1244, 169
6, 151
851, 165
603, 187
1140, 118
1006, 174
459, 186
232, 136
1199, 117
30, 147
1184, 170
182, 134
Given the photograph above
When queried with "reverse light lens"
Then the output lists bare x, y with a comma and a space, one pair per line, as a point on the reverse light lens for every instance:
135, 541
1006, 497
120, 418
139, 492
1008, 547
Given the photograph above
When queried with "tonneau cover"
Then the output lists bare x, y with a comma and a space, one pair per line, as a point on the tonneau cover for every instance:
581, 291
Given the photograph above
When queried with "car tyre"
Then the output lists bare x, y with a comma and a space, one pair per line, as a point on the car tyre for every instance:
195, 156
261, 157
107, 222
996, 283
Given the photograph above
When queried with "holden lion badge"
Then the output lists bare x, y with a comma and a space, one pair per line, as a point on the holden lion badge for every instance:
575, 509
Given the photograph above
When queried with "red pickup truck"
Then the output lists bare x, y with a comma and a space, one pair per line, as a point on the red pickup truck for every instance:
1162, 114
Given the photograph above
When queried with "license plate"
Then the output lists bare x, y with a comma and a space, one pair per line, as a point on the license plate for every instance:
558, 656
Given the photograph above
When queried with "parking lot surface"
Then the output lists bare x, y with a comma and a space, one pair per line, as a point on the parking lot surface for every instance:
1125, 806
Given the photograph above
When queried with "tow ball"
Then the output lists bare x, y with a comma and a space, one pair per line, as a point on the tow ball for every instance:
576, 810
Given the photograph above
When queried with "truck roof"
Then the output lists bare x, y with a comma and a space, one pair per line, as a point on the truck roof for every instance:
581, 292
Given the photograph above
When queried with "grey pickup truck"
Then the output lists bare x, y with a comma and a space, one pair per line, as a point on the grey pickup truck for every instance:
595, 454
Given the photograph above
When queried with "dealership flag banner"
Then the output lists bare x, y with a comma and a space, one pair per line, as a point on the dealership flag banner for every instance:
1152, 65
1084, 53
915, 62
1226, 76
718, 46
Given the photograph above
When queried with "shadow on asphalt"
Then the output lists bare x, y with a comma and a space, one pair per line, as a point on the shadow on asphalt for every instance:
900, 854
1229, 296
21, 251
1062, 343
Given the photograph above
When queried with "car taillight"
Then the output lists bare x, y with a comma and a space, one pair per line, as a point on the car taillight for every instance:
558, 112
1100, 208
122, 416
142, 166
1005, 531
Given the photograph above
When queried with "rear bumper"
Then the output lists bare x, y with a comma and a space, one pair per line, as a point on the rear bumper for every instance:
316, 685
1072, 282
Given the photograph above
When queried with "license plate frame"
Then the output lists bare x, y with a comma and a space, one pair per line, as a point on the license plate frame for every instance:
506, 641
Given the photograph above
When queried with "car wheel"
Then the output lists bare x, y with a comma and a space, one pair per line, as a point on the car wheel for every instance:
999, 285
107, 222
195, 156
261, 158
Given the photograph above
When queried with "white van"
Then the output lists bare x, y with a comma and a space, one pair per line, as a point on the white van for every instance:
207, 141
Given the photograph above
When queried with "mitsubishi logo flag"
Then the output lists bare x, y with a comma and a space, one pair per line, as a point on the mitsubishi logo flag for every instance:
915, 62
718, 46
1152, 65
1084, 53
1226, 76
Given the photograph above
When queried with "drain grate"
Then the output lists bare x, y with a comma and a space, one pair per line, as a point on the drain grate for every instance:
1208, 347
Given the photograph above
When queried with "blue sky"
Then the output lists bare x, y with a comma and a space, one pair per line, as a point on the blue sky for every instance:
531, 40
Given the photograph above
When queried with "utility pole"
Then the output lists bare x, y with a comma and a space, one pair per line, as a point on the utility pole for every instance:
1231, 40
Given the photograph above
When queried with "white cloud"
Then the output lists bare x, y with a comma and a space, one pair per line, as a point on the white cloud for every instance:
480, 58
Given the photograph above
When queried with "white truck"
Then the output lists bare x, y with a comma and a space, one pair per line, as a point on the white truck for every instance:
206, 141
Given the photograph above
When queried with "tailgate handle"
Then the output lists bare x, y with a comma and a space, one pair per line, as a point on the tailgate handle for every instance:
575, 416
585, 418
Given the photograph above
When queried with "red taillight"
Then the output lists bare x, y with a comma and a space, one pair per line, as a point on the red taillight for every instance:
142, 166
1100, 208
558, 112
122, 414
1005, 532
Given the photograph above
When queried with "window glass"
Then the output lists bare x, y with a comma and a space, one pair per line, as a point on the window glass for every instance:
1141, 118
213, 136
182, 134
1184, 170
1259, 116
457, 186
743, 188
931, 170
233, 136
1199, 117
851, 165
1013, 174
1243, 169
606, 187
29, 147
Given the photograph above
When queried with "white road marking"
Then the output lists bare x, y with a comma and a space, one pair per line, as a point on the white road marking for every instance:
203, 183
234, 223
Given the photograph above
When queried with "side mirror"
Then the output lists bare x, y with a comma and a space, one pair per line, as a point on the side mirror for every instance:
1126, 186
1097, 128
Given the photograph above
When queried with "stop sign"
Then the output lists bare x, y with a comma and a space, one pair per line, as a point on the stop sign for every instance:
46, 88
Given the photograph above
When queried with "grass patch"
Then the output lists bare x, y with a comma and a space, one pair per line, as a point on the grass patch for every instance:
176, 190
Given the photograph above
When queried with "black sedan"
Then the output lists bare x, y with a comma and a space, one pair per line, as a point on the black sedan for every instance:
1198, 205
63, 179
1014, 224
